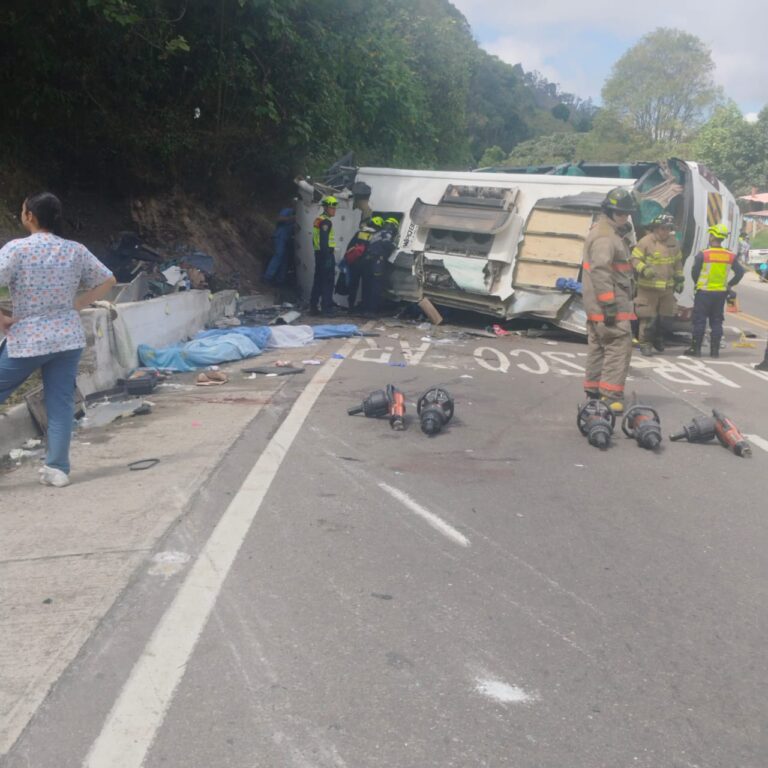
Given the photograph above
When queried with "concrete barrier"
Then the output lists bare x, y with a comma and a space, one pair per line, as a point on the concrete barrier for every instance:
16, 427
157, 322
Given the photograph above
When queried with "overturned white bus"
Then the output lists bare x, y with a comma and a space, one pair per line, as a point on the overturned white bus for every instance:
496, 241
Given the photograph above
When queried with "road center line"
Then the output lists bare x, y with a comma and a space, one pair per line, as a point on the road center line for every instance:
760, 442
436, 522
140, 709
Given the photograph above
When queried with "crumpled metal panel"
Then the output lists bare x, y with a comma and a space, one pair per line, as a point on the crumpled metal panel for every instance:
459, 218
404, 276
542, 304
469, 274
573, 316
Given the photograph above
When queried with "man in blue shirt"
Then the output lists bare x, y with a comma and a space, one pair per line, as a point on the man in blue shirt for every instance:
282, 246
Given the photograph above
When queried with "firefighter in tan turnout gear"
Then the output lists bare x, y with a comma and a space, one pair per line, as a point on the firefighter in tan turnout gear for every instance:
658, 262
607, 288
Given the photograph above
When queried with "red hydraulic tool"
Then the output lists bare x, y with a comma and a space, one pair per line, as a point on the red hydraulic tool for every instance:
730, 436
396, 407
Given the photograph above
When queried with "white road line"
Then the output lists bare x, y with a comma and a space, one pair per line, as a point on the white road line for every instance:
140, 709
760, 442
436, 522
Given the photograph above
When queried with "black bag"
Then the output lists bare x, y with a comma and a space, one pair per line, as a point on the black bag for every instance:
342, 287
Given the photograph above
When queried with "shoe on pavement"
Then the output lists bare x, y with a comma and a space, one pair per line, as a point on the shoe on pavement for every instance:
54, 477
617, 406
762, 366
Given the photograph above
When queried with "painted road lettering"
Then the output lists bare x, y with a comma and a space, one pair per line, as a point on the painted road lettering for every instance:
683, 370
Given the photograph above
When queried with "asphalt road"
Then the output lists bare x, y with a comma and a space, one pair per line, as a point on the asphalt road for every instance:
500, 595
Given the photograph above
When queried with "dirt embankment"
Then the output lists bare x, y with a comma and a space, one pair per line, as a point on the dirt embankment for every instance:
239, 238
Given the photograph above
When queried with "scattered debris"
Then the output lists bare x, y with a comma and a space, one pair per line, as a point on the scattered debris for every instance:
142, 381
168, 563
142, 464
211, 378
273, 370
227, 322
311, 362
100, 414
286, 318
18, 454
744, 342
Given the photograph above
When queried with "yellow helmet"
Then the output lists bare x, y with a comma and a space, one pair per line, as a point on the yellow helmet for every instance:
720, 231
392, 220
377, 221
329, 201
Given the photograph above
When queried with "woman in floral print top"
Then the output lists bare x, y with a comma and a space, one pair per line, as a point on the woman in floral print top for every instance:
44, 273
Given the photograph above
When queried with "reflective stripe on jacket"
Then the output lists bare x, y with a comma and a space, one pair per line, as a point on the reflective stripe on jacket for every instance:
663, 256
714, 269
319, 221
607, 272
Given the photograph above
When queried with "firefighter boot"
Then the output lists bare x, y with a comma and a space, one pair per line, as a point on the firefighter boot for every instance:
617, 406
645, 334
714, 346
695, 349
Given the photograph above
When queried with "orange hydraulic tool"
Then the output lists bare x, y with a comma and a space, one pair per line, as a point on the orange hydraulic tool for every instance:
643, 424
729, 435
396, 407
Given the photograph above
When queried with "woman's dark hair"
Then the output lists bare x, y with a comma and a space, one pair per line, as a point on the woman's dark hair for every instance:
47, 210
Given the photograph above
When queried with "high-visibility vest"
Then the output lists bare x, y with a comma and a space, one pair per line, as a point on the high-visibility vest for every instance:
316, 232
714, 270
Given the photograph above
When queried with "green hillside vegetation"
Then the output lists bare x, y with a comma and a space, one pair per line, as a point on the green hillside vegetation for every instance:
151, 93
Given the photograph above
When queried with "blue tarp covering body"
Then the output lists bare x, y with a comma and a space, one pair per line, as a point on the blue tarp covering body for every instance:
225, 346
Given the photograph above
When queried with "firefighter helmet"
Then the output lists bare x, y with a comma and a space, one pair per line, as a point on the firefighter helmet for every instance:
393, 221
663, 220
329, 201
719, 231
377, 222
620, 200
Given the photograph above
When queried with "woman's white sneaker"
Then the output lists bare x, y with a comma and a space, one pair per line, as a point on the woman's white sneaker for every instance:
54, 477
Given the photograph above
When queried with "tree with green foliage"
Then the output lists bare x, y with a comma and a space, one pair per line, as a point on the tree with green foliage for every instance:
556, 149
491, 157
737, 151
663, 86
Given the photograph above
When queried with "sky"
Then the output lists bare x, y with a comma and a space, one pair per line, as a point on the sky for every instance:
576, 42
